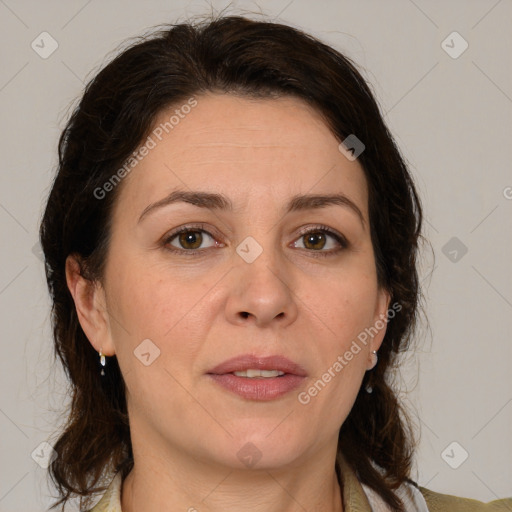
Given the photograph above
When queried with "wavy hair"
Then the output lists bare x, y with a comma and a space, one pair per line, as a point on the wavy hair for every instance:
227, 55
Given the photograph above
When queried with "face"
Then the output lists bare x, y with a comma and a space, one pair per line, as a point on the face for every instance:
261, 267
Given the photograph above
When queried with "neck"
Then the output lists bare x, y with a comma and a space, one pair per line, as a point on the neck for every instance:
170, 479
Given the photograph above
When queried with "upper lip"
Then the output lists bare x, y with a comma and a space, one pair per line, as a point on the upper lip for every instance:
251, 361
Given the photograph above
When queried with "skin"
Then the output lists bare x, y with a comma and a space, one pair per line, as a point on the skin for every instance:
186, 430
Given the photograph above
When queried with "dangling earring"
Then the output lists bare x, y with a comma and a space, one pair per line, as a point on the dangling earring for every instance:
102, 362
375, 358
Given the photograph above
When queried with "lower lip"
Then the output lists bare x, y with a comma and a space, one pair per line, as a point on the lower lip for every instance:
262, 389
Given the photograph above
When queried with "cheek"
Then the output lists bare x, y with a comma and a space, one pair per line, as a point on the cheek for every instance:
160, 304
344, 304
341, 314
167, 318
338, 316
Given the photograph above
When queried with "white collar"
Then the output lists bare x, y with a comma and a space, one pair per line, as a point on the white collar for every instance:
410, 495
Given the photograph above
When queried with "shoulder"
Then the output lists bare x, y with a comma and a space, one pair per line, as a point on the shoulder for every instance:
437, 502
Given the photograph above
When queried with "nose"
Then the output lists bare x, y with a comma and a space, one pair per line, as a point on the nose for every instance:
262, 294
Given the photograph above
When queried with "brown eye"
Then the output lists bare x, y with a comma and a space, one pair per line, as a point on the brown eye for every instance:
314, 240
322, 241
190, 239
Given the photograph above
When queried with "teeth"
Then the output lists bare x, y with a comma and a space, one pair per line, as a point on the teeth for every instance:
259, 373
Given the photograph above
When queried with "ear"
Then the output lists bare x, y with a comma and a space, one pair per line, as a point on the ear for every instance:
90, 304
380, 317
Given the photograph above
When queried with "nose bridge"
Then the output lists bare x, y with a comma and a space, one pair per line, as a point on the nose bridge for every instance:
262, 288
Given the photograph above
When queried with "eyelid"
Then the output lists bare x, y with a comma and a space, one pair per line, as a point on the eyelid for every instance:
169, 236
188, 227
341, 239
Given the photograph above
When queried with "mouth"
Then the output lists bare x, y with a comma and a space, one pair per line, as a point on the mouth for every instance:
258, 378
252, 373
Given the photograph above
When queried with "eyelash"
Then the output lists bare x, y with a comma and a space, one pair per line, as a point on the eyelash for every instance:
342, 241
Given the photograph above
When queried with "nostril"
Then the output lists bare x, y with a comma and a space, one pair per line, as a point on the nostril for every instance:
244, 314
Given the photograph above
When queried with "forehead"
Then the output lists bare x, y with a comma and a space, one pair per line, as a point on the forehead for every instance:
244, 148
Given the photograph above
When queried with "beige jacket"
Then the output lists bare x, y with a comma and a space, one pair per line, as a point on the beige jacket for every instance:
354, 499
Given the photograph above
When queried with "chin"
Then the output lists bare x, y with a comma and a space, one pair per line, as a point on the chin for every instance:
261, 449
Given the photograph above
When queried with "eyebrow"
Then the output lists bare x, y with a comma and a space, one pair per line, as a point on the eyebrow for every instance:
220, 202
200, 199
312, 202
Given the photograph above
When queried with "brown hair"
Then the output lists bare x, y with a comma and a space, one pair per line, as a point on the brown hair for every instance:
234, 55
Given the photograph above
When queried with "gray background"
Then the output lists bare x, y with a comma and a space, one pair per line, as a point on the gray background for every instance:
451, 118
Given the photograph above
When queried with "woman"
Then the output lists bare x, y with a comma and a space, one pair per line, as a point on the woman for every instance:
231, 245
